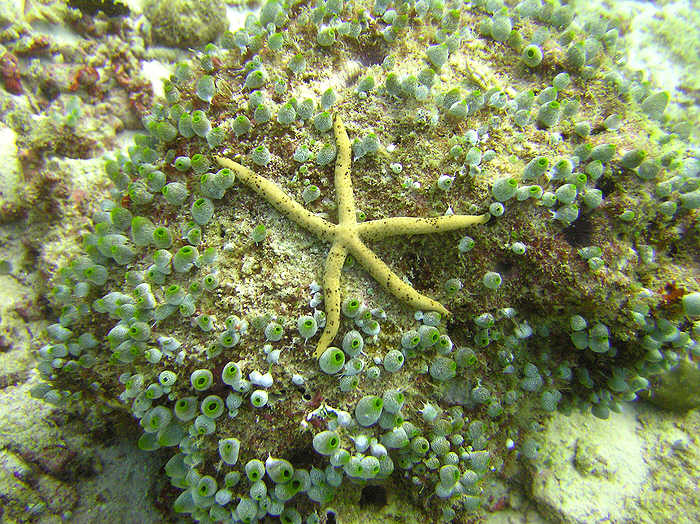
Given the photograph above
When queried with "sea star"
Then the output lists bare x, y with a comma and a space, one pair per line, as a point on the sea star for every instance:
346, 236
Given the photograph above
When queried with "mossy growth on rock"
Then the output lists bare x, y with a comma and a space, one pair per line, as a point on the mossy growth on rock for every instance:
185, 23
194, 328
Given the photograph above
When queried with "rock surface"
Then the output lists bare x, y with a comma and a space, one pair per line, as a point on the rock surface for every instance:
185, 23
11, 172
625, 469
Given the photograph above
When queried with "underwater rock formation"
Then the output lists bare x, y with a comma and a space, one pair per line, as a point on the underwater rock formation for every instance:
197, 307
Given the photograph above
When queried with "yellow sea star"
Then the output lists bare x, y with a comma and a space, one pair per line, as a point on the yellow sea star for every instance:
346, 236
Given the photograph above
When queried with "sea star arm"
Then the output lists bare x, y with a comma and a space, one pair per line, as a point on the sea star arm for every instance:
343, 184
279, 199
390, 280
386, 227
331, 295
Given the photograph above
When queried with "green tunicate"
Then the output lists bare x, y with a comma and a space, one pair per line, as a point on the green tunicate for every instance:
240, 126
156, 419
548, 94
501, 26
215, 137
393, 400
212, 406
120, 218
326, 155
205, 323
231, 374
297, 64
691, 305
173, 295
223, 179
332, 360
368, 410
353, 343
366, 84
648, 169
326, 442
594, 169
280, 471
632, 159
504, 189
228, 340
443, 368
200, 123
690, 200
162, 238
323, 122
229, 449
310, 193
602, 152
210, 282
428, 336
582, 129
175, 193
302, 153
566, 194
370, 144
140, 331
207, 258
492, 280
307, 327
155, 180
202, 211
325, 37
535, 168
392, 84
247, 509
199, 163
305, 110
458, 110
258, 490
201, 379
184, 125
161, 261
286, 114
437, 55
203, 425
208, 188
261, 155
328, 98
592, 198
254, 470
255, 79
139, 194
350, 307
548, 114
186, 408
167, 378
655, 104
532, 55
275, 41
595, 263
452, 286
274, 332
575, 56
393, 361
561, 81
258, 233
142, 230
96, 274
262, 114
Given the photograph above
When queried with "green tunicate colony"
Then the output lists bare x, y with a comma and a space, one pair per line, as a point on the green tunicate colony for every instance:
152, 306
